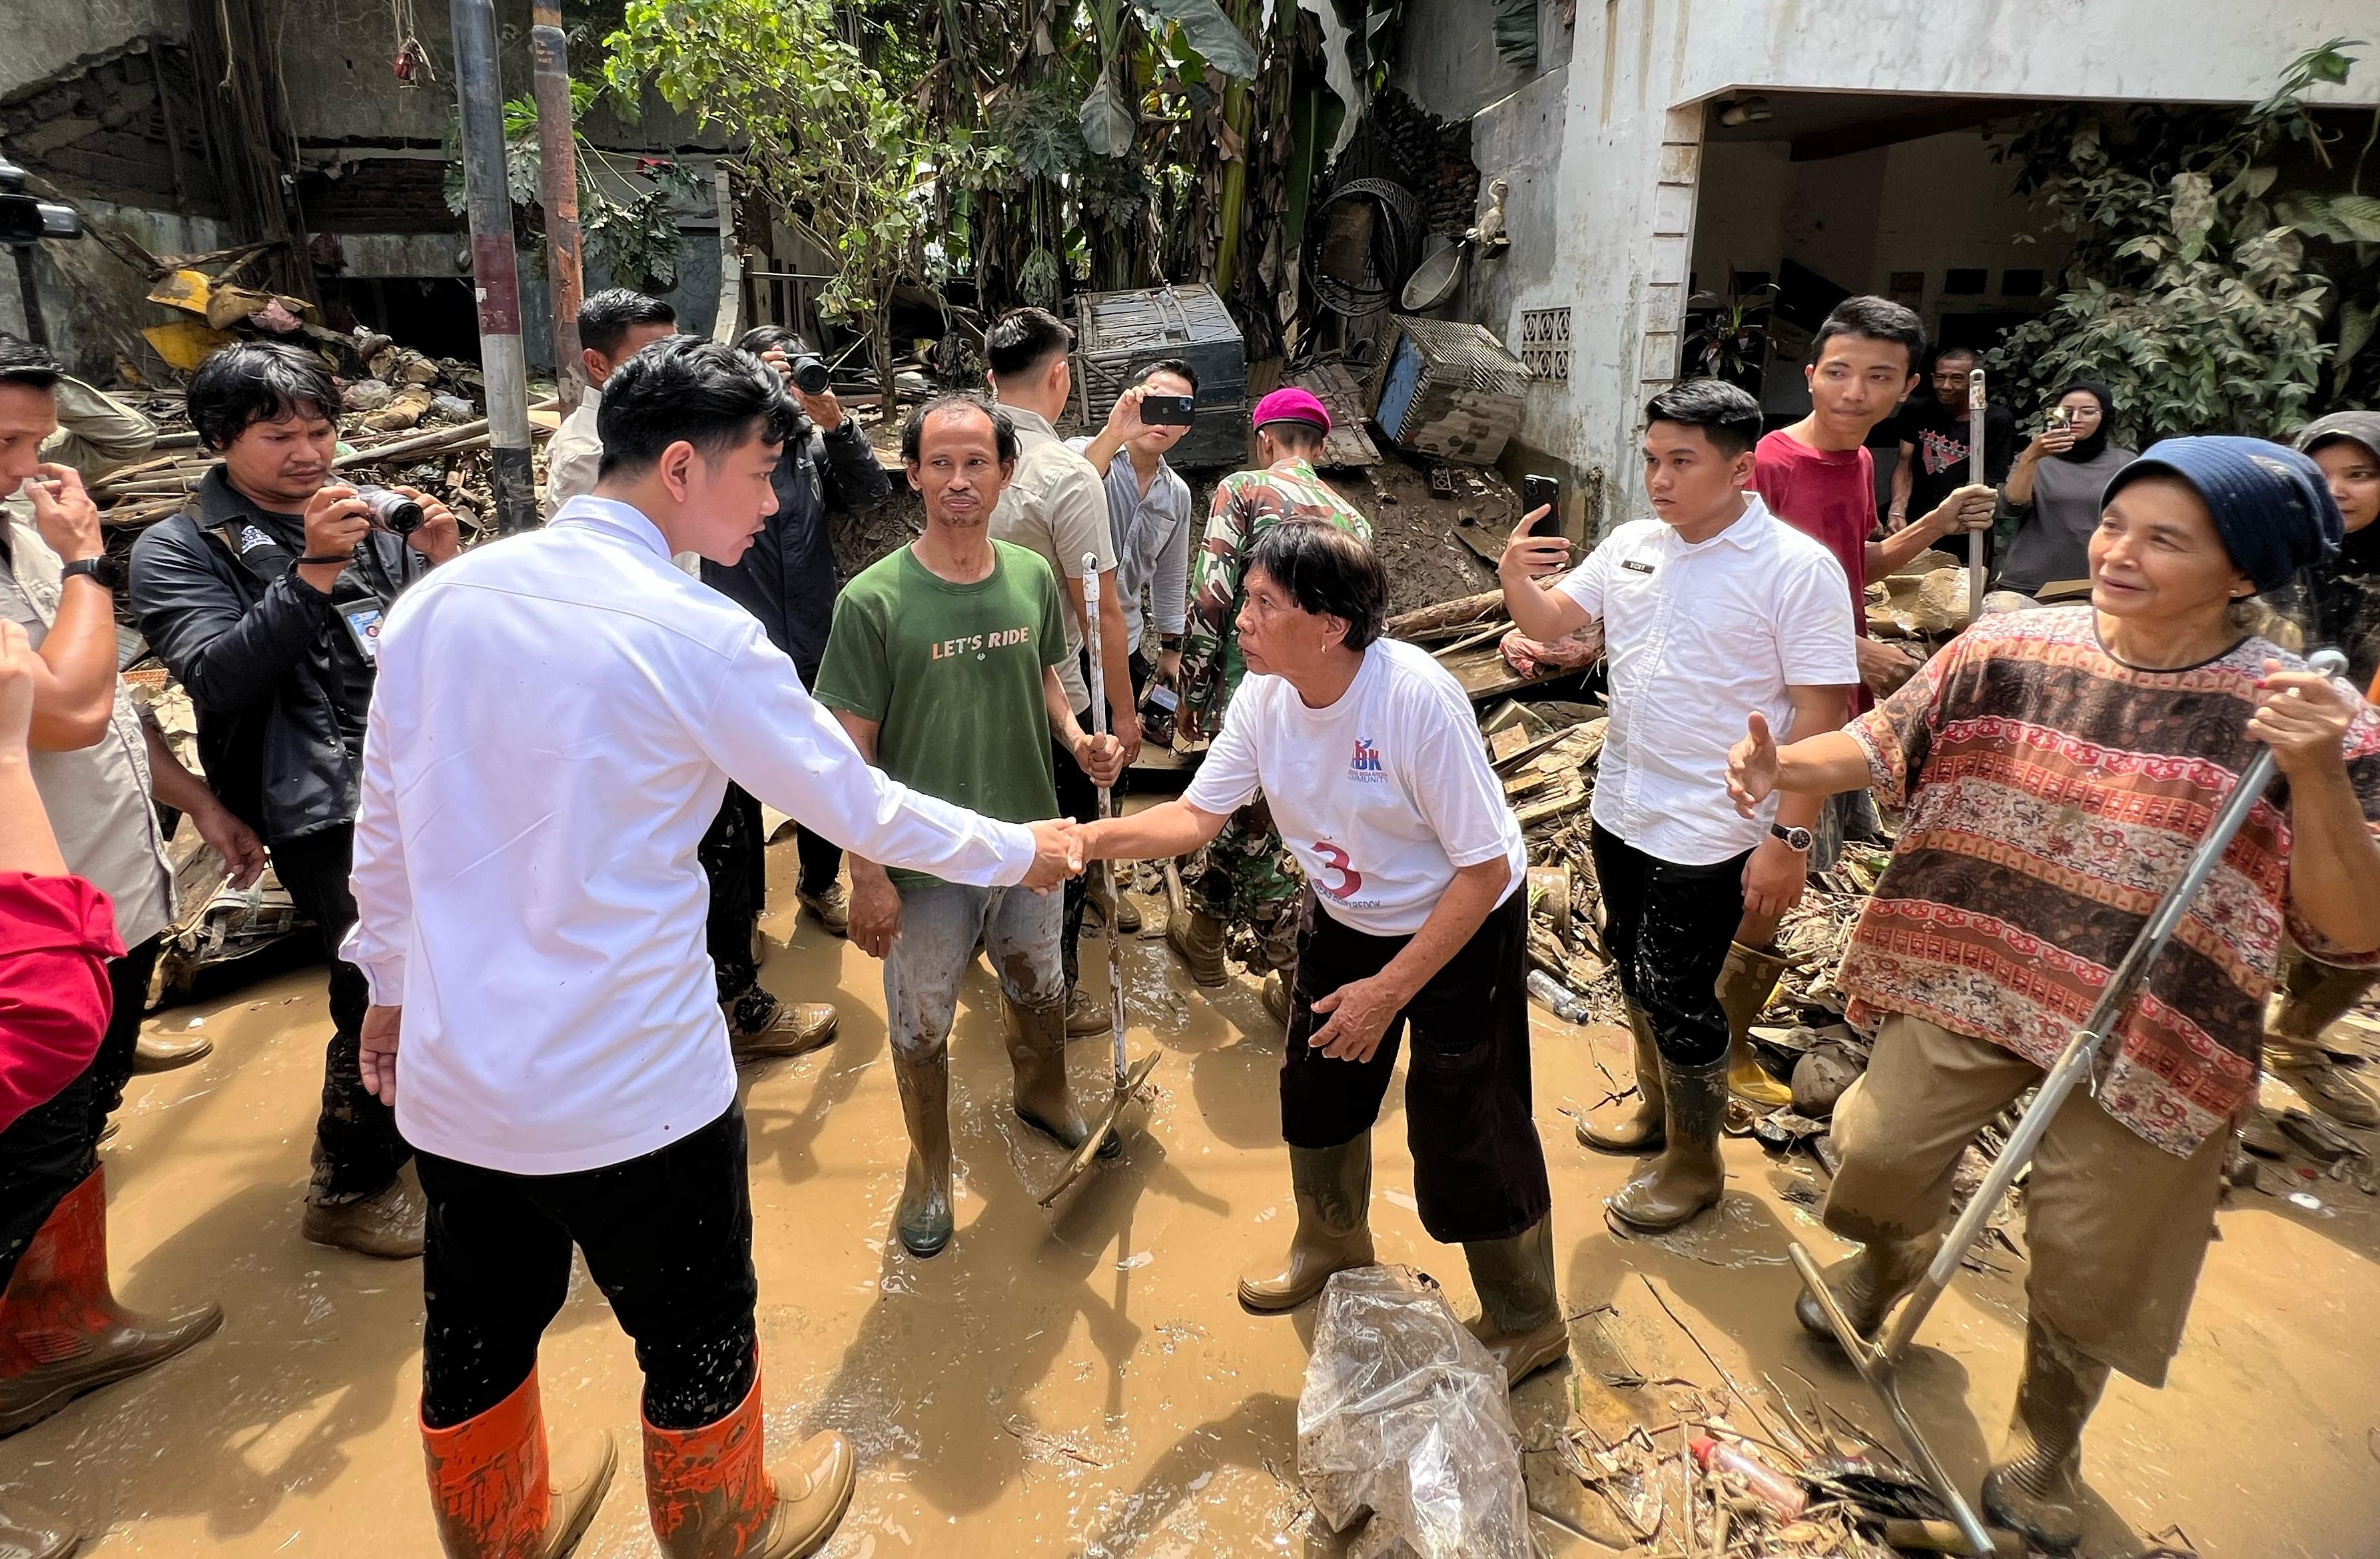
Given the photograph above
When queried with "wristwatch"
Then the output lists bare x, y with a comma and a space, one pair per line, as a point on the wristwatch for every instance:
101, 571
1795, 838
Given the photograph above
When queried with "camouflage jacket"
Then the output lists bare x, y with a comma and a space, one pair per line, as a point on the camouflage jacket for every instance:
1246, 505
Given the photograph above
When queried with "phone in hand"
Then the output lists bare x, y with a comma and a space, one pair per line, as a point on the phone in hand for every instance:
1540, 492
1165, 411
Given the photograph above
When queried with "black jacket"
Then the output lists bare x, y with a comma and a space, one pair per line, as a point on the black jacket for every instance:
280, 687
787, 576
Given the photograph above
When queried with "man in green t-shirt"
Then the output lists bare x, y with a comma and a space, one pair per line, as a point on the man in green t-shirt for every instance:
942, 665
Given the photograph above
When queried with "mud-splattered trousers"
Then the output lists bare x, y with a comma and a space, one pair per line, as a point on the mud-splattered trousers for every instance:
1668, 928
667, 1237
941, 924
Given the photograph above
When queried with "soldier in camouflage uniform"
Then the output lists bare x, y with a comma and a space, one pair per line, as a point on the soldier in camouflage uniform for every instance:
1245, 877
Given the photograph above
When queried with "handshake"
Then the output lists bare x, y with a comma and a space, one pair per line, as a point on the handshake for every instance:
1061, 845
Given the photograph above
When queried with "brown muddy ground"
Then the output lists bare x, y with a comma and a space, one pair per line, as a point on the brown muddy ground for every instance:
1084, 1383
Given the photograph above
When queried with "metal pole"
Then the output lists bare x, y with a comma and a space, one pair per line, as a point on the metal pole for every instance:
1975, 423
495, 269
30, 291
557, 147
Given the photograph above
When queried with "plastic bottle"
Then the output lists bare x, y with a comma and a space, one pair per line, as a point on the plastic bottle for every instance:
1556, 998
1763, 1482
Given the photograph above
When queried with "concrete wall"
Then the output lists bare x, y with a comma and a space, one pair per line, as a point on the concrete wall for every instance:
1612, 174
1449, 60
93, 303
41, 37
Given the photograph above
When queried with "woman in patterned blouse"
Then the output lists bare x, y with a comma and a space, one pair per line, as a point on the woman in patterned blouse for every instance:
2056, 768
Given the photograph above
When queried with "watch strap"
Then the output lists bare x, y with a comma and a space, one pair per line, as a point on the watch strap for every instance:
95, 567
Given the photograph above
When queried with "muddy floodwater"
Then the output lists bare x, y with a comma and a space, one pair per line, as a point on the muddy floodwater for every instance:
1081, 1381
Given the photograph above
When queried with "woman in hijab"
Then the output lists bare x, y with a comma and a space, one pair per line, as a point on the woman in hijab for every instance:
2346, 601
2054, 490
2058, 766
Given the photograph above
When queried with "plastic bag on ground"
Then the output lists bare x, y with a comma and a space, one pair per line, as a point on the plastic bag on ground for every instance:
1404, 1415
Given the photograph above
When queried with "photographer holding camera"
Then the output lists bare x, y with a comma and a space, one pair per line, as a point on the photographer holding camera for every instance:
265, 597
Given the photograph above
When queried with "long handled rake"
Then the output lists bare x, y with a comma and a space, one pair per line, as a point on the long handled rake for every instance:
1879, 1363
1128, 1078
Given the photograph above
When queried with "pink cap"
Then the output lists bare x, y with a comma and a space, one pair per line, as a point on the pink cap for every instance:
1292, 404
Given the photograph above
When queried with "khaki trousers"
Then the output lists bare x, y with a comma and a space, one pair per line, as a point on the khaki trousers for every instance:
2118, 1228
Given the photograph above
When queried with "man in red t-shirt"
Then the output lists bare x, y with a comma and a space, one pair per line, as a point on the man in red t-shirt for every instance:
1817, 476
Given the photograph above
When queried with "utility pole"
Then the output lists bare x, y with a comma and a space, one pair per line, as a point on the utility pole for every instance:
557, 144
495, 269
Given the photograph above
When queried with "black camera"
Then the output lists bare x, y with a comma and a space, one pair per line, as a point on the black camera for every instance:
810, 374
24, 219
390, 511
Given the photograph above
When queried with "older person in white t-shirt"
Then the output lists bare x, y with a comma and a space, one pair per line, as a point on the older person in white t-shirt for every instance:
1711, 611
1370, 756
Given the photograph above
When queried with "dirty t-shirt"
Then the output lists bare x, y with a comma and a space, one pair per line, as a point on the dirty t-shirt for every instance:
951, 675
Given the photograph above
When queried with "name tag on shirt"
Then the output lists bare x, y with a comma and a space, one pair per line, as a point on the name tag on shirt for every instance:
363, 620
1633, 566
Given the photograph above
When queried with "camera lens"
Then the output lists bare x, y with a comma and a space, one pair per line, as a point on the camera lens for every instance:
810, 374
390, 511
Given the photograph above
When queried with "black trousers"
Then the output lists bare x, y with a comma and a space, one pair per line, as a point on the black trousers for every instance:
357, 1150
1479, 1171
1668, 928
668, 1237
52, 1147
733, 857
821, 859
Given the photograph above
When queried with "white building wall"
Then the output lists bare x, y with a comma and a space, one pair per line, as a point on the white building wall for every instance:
1629, 125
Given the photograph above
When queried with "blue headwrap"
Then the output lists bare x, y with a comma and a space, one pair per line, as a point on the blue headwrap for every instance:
2271, 505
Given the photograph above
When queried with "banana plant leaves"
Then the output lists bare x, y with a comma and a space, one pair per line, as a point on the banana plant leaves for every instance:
1212, 34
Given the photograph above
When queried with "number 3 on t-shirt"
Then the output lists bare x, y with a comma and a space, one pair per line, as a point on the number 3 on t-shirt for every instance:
1349, 880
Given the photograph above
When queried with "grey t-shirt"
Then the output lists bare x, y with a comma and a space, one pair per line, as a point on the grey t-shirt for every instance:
1152, 544
2053, 532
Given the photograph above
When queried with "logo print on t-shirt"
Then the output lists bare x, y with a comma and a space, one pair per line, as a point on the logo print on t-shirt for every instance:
1364, 766
1350, 879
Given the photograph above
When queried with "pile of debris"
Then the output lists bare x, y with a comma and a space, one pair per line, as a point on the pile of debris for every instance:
409, 419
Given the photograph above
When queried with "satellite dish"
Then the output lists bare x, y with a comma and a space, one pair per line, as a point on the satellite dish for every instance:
1435, 280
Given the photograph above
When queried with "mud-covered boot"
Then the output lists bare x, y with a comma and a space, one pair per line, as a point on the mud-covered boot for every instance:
2036, 1488
62, 1333
1689, 1175
389, 1224
156, 1053
924, 1220
1868, 1285
28, 1533
1275, 997
711, 1497
1744, 986
1645, 1127
761, 1028
2308, 996
1520, 1314
1198, 937
1036, 1050
1086, 1014
1334, 1188
496, 1495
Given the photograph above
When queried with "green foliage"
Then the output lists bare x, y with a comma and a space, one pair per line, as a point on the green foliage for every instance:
833, 144
2189, 290
635, 239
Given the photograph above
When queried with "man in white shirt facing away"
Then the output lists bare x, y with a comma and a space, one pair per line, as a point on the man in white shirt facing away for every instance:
1713, 609
552, 730
613, 326
1416, 917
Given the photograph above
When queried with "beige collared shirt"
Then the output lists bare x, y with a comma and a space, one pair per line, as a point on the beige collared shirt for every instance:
98, 797
1057, 504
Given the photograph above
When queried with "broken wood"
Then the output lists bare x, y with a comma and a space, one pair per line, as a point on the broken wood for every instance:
1446, 615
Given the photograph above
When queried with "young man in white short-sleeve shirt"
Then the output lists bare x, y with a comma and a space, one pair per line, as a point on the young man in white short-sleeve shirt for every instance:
1370, 756
1713, 611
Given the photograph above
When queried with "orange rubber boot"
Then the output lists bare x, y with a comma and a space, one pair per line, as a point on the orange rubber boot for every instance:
498, 1496
711, 1497
61, 1331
